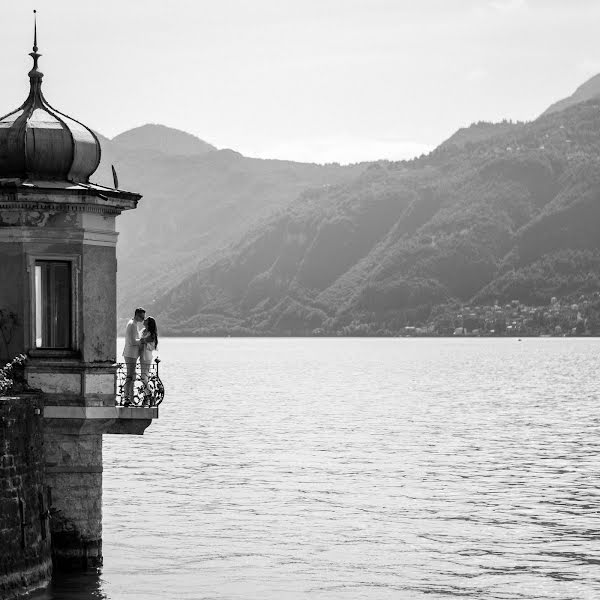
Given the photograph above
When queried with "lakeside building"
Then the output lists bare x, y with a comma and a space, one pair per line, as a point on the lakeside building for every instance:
57, 307
581, 317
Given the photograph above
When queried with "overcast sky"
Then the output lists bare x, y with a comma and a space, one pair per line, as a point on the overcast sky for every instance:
310, 80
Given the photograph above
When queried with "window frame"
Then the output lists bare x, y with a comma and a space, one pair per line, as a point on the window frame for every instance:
75, 267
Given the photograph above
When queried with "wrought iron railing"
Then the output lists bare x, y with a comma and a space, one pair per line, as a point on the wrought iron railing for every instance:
151, 393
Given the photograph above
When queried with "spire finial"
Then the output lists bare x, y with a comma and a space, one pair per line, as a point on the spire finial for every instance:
35, 47
35, 74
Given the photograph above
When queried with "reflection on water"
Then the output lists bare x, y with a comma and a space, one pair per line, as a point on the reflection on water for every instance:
355, 469
70, 586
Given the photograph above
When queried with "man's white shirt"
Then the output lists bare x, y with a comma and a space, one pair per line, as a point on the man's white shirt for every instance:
132, 338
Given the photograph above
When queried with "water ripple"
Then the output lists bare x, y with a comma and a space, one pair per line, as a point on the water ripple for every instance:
349, 469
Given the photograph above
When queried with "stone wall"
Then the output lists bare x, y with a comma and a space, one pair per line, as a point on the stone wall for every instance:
25, 560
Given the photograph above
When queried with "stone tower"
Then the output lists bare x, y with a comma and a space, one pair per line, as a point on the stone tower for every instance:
58, 302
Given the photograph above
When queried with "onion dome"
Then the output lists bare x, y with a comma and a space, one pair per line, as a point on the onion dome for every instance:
38, 142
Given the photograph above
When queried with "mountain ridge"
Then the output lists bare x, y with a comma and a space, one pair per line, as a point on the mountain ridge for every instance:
192, 205
588, 90
380, 244
160, 138
400, 238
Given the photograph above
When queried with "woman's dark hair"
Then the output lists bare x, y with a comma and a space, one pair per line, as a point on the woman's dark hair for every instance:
151, 327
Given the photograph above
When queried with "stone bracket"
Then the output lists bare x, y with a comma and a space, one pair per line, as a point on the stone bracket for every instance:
88, 420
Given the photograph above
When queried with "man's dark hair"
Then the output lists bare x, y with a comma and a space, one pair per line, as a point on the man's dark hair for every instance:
139, 311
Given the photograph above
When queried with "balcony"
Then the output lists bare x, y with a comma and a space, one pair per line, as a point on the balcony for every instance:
144, 395
85, 398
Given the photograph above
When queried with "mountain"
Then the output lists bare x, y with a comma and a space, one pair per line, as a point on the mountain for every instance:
498, 213
193, 204
158, 138
587, 91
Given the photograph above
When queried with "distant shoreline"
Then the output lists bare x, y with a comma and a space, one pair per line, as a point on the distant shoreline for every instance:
340, 337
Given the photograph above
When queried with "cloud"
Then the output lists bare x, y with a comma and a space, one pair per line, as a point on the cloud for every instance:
508, 6
476, 74
502, 9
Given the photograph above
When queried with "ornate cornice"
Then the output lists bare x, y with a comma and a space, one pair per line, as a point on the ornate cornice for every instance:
87, 237
62, 207
56, 191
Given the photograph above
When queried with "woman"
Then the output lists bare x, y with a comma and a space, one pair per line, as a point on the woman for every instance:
148, 343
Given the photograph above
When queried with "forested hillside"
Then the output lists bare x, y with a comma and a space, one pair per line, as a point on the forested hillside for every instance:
497, 212
196, 199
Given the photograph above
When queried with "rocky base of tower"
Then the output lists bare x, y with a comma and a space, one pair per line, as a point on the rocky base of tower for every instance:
51, 484
25, 562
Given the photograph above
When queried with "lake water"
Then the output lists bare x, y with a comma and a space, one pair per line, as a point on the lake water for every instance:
358, 468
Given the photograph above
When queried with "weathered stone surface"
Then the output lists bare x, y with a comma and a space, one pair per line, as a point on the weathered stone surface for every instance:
72, 382
56, 383
25, 562
11, 298
74, 472
100, 383
99, 291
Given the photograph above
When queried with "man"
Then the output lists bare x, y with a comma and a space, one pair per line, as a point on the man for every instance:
131, 352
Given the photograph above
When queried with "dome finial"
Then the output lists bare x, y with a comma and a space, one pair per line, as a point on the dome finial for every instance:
35, 73
38, 142
35, 30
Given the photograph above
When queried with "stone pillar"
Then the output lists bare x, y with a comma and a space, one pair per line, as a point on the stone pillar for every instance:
73, 444
74, 476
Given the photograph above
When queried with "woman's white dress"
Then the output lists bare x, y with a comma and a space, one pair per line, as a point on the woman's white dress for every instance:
146, 356
147, 352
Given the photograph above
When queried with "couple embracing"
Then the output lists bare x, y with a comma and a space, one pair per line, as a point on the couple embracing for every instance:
141, 339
